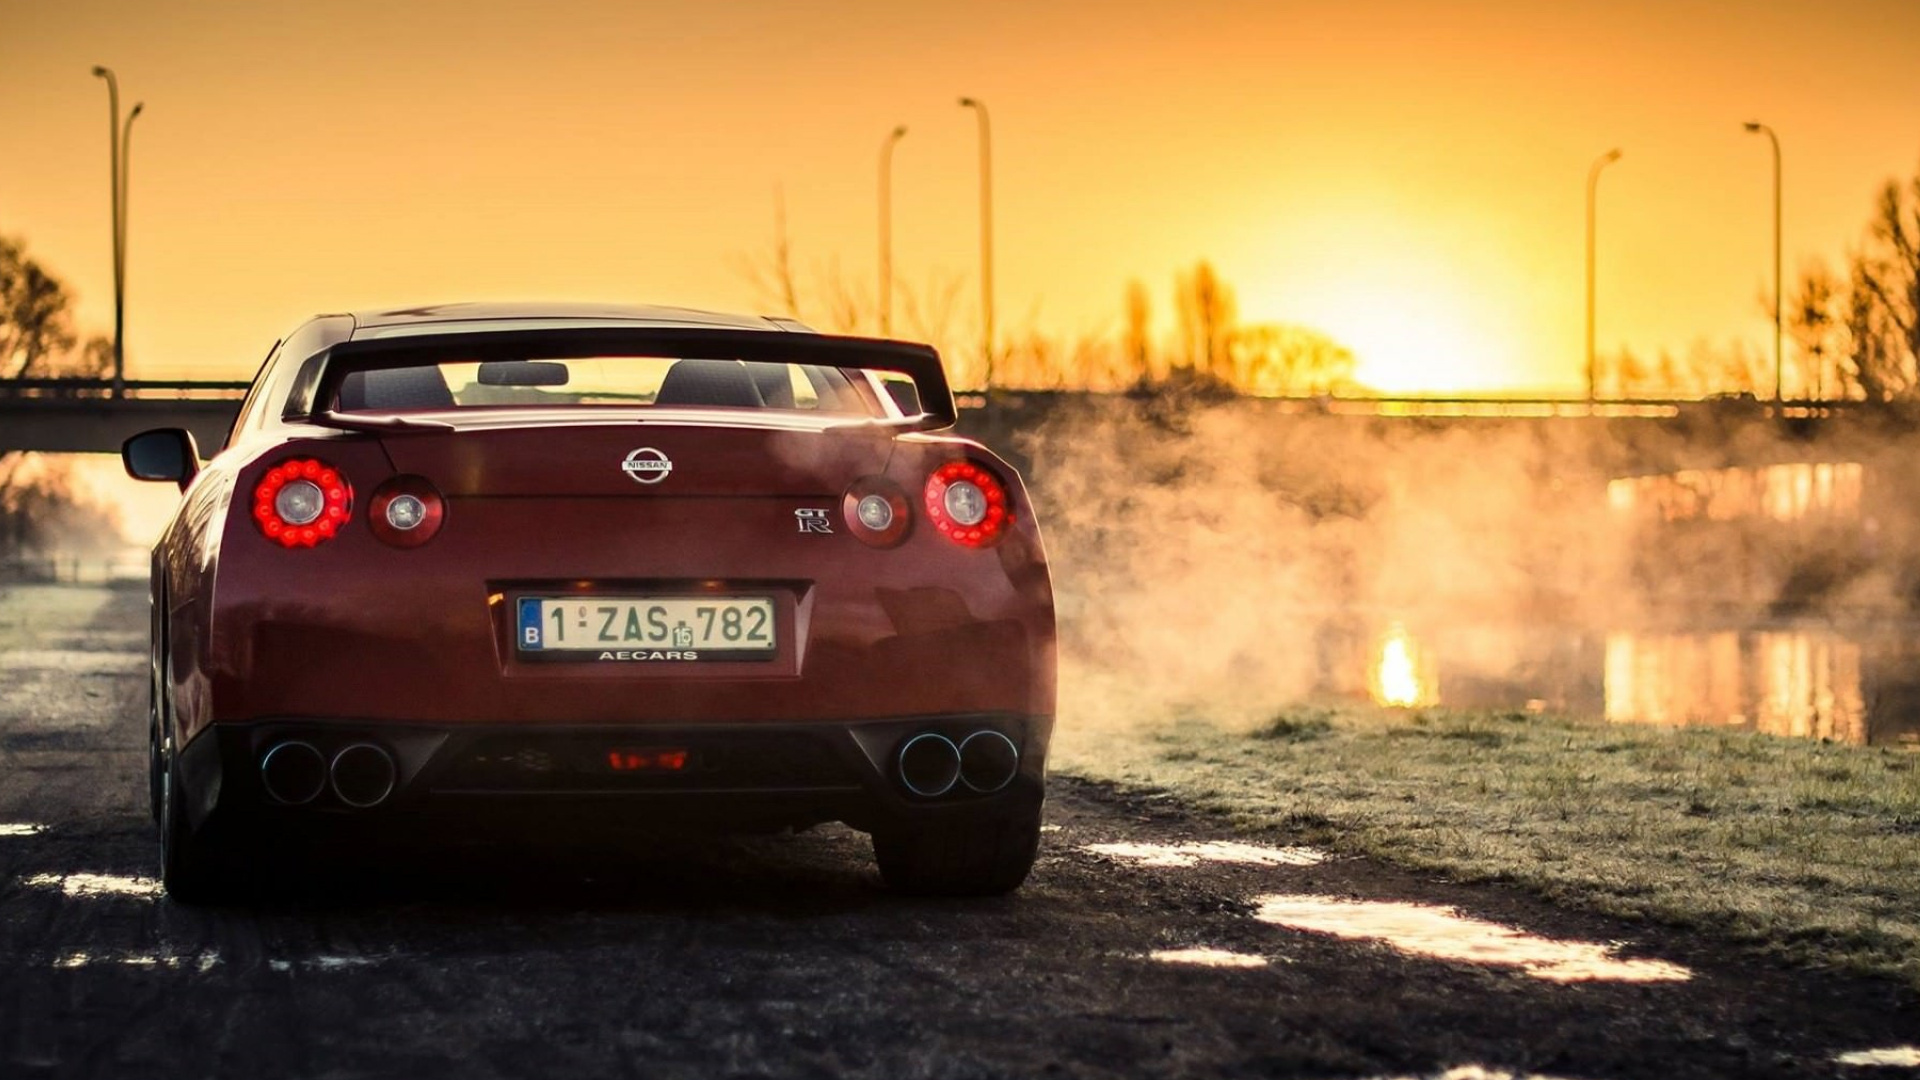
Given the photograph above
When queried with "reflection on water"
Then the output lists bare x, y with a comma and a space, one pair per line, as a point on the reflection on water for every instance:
90, 885
1445, 934
1202, 957
1194, 853
1892, 1056
1797, 491
1782, 682
1856, 685
202, 962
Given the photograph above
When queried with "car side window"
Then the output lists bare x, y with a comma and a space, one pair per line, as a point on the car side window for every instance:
248, 418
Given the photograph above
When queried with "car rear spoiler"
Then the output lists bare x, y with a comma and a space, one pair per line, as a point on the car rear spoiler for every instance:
319, 381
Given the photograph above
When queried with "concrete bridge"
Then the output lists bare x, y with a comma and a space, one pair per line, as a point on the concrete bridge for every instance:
96, 415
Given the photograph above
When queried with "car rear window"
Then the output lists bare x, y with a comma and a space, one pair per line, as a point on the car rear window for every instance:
600, 381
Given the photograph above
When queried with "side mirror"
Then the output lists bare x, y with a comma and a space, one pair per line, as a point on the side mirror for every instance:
162, 454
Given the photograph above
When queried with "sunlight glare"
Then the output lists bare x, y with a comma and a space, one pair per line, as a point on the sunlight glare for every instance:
1396, 675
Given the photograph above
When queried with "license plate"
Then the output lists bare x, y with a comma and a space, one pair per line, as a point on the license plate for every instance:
647, 628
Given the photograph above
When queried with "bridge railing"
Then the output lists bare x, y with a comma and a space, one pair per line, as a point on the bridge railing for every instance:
67, 389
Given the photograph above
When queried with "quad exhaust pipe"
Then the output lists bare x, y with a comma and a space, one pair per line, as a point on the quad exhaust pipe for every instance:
931, 765
296, 773
293, 773
363, 775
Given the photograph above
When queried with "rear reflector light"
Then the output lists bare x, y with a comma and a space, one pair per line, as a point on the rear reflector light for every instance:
647, 760
877, 511
406, 511
968, 504
302, 502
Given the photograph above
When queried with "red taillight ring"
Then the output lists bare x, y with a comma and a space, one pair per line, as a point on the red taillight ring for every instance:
406, 499
968, 504
334, 510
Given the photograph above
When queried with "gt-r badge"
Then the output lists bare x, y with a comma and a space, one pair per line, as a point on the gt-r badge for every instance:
647, 465
813, 520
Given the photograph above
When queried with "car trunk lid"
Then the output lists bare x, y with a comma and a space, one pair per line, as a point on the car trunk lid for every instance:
655, 458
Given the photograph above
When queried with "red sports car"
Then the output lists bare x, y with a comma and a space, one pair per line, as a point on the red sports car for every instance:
637, 568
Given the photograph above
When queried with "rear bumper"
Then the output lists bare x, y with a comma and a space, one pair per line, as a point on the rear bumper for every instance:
493, 777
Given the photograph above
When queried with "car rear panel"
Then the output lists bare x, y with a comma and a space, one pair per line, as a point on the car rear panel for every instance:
355, 629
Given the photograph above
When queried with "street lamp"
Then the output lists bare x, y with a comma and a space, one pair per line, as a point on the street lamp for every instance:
119, 258
1779, 303
1593, 181
886, 229
120, 262
986, 235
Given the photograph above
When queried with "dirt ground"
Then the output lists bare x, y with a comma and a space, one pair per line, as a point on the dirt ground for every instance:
782, 956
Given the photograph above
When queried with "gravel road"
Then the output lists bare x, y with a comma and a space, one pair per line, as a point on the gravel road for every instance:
1150, 941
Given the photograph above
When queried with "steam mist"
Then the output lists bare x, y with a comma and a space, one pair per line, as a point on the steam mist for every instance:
1225, 559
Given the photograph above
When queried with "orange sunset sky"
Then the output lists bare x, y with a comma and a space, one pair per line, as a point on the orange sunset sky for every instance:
1408, 177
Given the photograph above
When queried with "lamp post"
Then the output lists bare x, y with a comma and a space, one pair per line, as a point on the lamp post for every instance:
119, 257
120, 278
986, 236
886, 229
1593, 183
1779, 302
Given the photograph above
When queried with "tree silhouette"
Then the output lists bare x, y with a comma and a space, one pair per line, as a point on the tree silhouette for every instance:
1207, 314
37, 340
1867, 329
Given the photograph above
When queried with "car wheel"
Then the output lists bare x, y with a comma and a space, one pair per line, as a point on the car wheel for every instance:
970, 856
156, 746
193, 866
156, 764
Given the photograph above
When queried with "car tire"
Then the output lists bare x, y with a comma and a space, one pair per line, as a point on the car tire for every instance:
194, 867
156, 751
970, 856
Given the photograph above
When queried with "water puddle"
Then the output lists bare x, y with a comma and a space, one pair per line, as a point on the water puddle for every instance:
1197, 852
1848, 682
326, 963
1904, 1057
202, 962
16, 828
1444, 934
1473, 1073
95, 885
1213, 958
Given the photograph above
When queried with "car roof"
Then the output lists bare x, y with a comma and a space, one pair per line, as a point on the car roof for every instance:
455, 318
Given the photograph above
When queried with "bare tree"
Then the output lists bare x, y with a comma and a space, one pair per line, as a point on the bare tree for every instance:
36, 328
1817, 321
1139, 340
1883, 310
1286, 359
37, 340
773, 276
1706, 368
1207, 317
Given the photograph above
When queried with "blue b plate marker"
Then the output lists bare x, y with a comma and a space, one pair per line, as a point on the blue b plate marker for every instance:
530, 624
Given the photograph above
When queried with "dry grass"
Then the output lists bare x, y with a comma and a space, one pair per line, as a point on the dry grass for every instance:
1807, 849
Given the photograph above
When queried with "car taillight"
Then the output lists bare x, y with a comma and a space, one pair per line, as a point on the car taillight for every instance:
967, 504
877, 511
406, 511
302, 502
